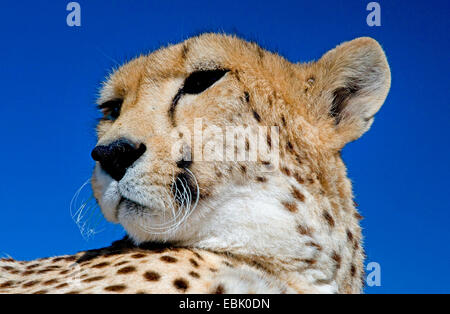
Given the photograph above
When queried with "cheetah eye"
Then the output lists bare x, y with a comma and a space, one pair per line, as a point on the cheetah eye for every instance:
111, 109
199, 81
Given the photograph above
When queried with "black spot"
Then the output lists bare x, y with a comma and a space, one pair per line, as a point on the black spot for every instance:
292, 207
8, 268
238, 77
352, 270
349, 236
289, 145
261, 179
310, 261
247, 96
7, 284
152, 276
36, 265
100, 265
358, 216
50, 282
304, 230
256, 115
138, 255
181, 284
30, 283
168, 259
298, 195
286, 171
299, 178
315, 245
126, 270
219, 290
198, 256
92, 279
115, 288
193, 262
328, 218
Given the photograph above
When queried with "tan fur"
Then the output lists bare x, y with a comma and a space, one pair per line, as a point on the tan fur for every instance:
261, 88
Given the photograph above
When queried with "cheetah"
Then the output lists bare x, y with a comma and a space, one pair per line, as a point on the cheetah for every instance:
278, 223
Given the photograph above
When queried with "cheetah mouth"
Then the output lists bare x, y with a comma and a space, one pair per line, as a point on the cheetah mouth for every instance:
162, 212
130, 204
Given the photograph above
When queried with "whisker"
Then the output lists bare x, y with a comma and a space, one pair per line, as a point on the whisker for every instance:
179, 213
87, 215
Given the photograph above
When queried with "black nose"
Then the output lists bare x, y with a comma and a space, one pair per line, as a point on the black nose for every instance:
118, 156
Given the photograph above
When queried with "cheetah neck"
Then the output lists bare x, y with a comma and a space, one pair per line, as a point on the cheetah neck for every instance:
285, 226
256, 219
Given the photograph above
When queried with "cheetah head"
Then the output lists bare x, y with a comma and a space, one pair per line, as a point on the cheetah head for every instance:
166, 171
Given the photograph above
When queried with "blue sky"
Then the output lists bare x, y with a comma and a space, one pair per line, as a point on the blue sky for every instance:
50, 74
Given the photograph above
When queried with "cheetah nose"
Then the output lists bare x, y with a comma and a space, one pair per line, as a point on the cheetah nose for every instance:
118, 156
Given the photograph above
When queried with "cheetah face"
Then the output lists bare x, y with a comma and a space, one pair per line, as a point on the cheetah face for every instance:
156, 177
146, 176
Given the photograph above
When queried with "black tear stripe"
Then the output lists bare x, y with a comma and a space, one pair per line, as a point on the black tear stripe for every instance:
173, 106
184, 181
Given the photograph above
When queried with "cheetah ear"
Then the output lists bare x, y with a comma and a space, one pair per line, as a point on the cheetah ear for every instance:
355, 80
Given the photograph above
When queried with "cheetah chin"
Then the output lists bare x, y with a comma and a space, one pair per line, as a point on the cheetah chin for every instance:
206, 214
